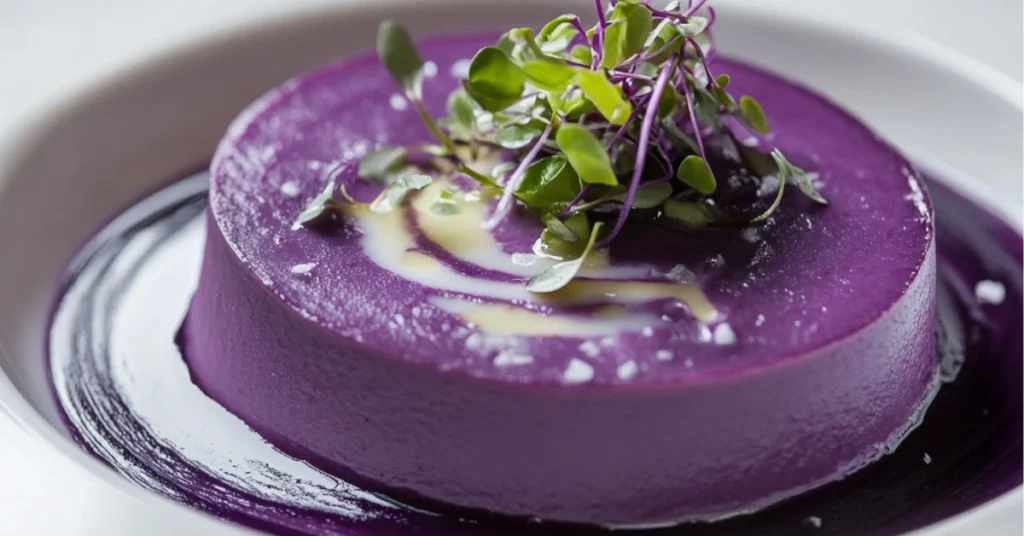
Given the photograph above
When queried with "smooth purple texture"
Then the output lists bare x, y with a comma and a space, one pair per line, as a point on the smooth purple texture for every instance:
841, 361
114, 381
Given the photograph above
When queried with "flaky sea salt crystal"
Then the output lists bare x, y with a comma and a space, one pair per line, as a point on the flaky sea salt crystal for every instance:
627, 371
990, 292
302, 269
511, 358
398, 102
290, 189
682, 275
589, 348
578, 371
705, 333
724, 334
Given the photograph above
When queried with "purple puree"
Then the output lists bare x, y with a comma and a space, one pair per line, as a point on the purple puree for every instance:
114, 381
832, 311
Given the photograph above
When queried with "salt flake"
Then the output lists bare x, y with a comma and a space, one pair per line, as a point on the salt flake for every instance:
578, 371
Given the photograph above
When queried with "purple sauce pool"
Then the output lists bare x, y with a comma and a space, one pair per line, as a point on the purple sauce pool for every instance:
128, 399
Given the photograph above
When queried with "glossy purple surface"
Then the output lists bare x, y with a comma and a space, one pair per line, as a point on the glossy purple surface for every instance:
128, 399
854, 259
832, 308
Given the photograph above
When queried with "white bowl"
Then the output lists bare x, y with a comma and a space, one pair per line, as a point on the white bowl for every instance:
65, 172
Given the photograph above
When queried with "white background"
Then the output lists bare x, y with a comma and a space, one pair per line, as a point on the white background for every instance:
47, 46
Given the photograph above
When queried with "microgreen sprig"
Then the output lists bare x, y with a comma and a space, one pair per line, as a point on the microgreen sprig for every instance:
615, 118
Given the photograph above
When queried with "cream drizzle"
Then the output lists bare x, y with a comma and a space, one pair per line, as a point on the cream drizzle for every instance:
509, 319
388, 243
462, 235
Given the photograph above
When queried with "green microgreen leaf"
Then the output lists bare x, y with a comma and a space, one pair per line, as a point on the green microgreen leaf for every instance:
400, 57
444, 204
526, 47
563, 239
556, 104
582, 54
580, 227
462, 115
647, 69
687, 213
505, 44
799, 176
395, 193
694, 172
680, 140
558, 228
549, 74
665, 28
501, 169
761, 164
705, 106
319, 208
575, 104
559, 275
607, 97
669, 103
586, 155
664, 33
495, 81
753, 115
693, 26
627, 35
382, 164
556, 35
647, 196
723, 96
548, 182
519, 135
584, 110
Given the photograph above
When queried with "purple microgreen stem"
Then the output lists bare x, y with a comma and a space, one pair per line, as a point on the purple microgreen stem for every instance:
432, 126
575, 201
575, 21
670, 43
619, 76
600, 14
688, 94
693, 8
625, 126
505, 203
641, 152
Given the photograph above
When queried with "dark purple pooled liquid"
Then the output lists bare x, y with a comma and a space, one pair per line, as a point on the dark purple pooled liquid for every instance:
127, 397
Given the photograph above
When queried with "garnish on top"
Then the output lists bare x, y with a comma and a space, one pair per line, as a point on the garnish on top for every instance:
605, 122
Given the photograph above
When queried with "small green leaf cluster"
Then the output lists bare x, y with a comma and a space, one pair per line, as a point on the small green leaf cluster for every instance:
610, 119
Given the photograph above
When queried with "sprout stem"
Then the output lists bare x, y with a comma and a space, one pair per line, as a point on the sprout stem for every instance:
641, 151
505, 203
434, 129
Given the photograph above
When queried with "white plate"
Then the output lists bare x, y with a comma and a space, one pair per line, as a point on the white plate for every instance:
65, 172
